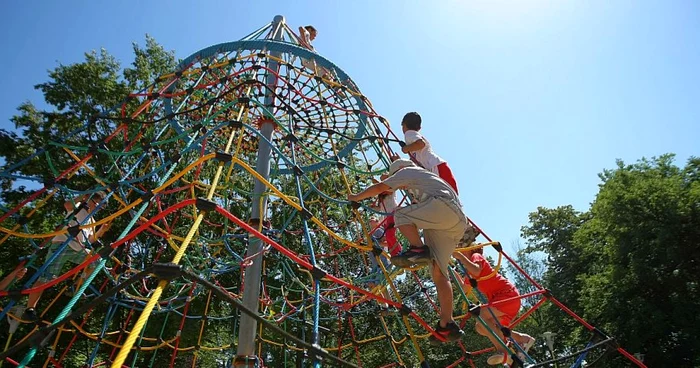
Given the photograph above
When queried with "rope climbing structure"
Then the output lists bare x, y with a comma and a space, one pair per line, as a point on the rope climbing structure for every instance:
230, 241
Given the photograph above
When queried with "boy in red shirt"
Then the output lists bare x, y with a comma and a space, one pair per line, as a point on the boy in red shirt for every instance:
495, 288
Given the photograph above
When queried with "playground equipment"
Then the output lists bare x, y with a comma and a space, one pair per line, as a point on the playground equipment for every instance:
232, 242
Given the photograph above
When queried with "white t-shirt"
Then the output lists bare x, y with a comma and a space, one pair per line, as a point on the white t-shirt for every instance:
78, 243
425, 156
388, 204
311, 63
306, 39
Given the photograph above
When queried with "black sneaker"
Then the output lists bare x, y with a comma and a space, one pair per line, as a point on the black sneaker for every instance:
419, 256
30, 315
450, 333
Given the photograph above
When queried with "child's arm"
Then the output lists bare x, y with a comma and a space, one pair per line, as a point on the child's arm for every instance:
68, 205
303, 38
415, 146
371, 191
473, 268
101, 231
6, 281
17, 274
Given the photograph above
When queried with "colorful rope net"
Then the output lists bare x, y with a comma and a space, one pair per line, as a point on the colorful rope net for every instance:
186, 195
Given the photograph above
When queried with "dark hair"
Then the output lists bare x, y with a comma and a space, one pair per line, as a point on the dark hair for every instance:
412, 121
478, 250
311, 29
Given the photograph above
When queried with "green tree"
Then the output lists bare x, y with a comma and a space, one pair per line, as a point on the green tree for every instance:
551, 232
74, 94
627, 265
643, 237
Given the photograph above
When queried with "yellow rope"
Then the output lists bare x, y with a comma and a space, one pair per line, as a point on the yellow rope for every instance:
201, 327
481, 245
7, 345
145, 314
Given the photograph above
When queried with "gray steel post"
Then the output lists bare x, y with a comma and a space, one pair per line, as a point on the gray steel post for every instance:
251, 292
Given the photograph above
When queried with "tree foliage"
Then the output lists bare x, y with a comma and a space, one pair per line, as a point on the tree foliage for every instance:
628, 264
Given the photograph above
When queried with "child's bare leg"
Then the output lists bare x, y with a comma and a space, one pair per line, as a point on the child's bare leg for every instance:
34, 297
84, 275
385, 294
15, 274
444, 291
485, 314
410, 232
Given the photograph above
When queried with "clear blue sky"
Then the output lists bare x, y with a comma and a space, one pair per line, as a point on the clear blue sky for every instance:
527, 100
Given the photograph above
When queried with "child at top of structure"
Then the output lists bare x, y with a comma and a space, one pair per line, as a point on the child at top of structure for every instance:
306, 35
495, 288
420, 151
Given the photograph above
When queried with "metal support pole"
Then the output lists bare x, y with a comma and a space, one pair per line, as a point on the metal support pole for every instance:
251, 291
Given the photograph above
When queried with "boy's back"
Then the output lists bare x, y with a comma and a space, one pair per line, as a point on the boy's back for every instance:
420, 151
425, 156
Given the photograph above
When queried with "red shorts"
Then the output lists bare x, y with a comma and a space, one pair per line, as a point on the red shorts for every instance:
390, 236
510, 308
445, 174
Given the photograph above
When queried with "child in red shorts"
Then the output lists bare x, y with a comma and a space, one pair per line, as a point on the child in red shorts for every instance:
495, 288
387, 204
384, 228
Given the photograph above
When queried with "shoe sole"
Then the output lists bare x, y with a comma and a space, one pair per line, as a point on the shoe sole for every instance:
500, 361
435, 342
404, 262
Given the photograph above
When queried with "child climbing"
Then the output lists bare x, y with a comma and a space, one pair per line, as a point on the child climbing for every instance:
439, 214
496, 288
78, 248
384, 230
306, 35
420, 151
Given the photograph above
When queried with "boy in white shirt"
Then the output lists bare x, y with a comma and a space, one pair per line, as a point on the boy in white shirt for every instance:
420, 151
306, 35
78, 246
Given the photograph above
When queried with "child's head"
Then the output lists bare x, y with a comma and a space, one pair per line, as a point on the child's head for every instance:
312, 32
411, 121
477, 250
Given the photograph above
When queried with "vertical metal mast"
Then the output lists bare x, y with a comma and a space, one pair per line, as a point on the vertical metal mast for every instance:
251, 292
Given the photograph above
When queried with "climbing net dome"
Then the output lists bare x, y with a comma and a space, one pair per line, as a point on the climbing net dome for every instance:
234, 167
